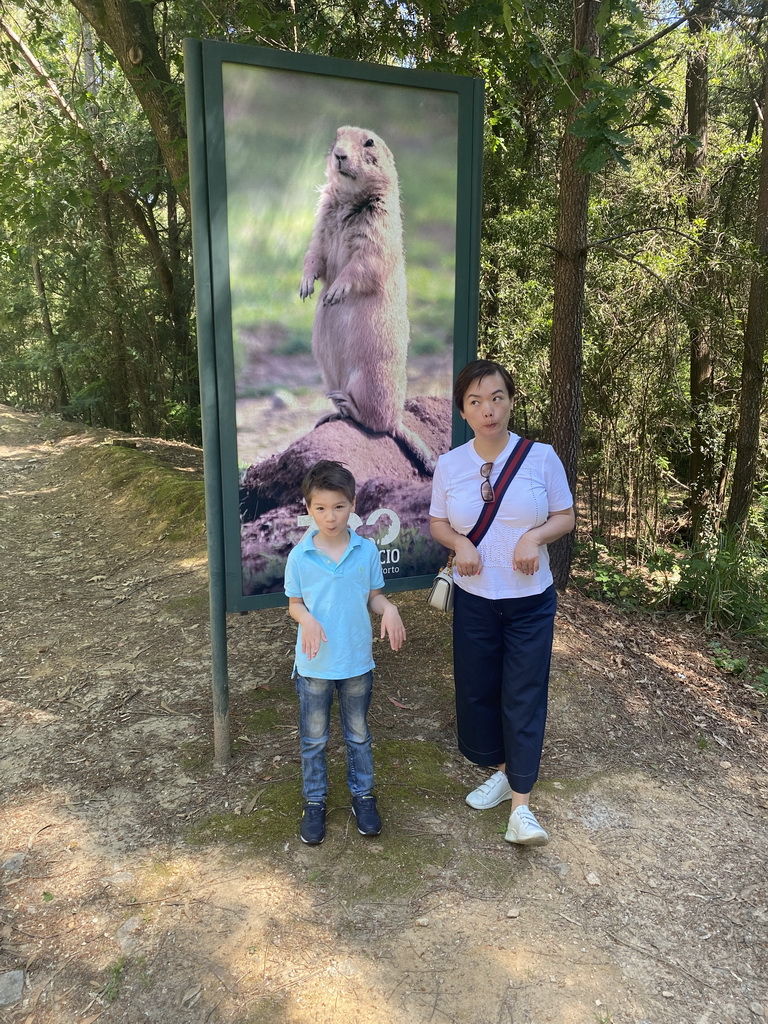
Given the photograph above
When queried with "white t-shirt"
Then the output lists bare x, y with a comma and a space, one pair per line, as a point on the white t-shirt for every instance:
539, 488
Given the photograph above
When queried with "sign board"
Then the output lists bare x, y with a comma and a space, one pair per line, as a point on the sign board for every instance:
336, 210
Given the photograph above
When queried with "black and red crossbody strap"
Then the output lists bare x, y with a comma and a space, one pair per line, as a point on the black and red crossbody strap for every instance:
505, 478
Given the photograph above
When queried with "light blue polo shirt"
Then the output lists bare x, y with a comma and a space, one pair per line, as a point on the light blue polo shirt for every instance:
336, 594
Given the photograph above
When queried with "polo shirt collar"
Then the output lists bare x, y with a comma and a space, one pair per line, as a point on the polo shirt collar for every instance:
306, 545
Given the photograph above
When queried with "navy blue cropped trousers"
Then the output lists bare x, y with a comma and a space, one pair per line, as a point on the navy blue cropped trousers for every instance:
501, 656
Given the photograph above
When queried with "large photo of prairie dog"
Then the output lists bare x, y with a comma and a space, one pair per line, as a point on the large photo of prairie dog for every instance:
341, 203
361, 330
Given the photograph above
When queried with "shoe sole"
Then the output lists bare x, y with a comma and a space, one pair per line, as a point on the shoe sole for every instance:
532, 841
311, 842
361, 831
487, 807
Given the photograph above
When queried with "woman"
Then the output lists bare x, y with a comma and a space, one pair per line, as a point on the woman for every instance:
504, 601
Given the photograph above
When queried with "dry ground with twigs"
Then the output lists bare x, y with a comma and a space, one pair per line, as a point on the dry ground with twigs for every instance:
141, 883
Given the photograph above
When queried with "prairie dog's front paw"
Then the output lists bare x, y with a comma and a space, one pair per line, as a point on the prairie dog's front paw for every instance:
307, 286
337, 292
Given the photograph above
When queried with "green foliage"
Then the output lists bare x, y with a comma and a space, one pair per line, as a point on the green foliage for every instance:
104, 333
669, 253
754, 677
722, 658
115, 979
727, 583
759, 683
183, 420
606, 577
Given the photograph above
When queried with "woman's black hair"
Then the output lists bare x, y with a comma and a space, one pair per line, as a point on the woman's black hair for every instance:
476, 370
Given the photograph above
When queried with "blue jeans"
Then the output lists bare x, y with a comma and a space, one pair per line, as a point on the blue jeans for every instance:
315, 698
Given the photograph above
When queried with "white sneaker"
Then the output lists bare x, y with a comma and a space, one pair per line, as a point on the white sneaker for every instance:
495, 790
524, 829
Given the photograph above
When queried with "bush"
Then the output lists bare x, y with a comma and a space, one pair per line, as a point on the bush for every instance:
727, 583
607, 577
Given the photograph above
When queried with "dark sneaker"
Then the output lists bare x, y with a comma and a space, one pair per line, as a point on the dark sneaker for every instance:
367, 815
312, 823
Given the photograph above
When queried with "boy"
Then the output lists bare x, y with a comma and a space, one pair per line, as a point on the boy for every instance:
333, 578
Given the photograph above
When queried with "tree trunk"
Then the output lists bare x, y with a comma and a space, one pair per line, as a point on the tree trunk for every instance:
701, 474
491, 280
127, 28
119, 415
60, 390
184, 378
750, 401
568, 284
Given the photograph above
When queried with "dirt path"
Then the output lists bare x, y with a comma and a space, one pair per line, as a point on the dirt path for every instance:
139, 883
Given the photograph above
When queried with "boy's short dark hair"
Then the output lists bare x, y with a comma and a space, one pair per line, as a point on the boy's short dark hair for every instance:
328, 476
476, 370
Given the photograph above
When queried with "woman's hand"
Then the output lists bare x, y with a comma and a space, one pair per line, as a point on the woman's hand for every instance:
467, 559
525, 558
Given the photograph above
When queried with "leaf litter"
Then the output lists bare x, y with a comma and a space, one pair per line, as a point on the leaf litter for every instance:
129, 894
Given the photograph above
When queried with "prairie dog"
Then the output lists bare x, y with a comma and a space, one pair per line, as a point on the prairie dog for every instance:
361, 331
